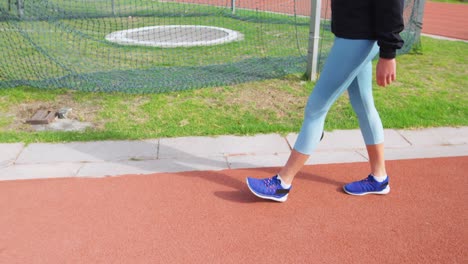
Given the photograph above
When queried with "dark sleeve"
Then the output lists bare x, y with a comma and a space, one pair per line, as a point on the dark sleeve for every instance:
389, 24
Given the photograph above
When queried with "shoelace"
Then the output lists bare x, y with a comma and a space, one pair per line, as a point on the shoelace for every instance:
270, 182
365, 180
369, 184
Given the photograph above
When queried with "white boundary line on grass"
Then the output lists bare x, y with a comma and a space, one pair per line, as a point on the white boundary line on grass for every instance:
121, 37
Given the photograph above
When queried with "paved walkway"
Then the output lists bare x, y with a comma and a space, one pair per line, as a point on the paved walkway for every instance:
110, 158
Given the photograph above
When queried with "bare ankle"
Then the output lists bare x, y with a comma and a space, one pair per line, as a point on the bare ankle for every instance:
286, 178
381, 173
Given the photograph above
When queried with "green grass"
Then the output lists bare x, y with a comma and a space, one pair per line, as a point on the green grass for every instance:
431, 91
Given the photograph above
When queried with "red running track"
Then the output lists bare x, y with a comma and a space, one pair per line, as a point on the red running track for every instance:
441, 19
444, 19
210, 217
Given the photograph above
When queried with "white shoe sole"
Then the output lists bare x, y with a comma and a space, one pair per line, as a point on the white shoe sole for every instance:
384, 191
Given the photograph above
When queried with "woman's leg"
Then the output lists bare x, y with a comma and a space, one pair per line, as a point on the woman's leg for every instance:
294, 164
346, 60
377, 159
360, 95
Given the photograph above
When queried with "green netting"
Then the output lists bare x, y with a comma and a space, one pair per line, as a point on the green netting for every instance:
62, 43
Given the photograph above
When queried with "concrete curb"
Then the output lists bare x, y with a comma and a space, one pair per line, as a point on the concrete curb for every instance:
113, 158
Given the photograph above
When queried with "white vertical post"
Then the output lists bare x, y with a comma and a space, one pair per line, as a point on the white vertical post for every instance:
20, 5
233, 6
113, 7
314, 36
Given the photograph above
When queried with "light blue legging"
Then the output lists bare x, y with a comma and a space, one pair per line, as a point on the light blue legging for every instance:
348, 66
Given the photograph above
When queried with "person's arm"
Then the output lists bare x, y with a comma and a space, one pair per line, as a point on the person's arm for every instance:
389, 24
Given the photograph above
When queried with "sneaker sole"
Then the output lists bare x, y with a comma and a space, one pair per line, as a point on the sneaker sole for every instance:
282, 199
384, 191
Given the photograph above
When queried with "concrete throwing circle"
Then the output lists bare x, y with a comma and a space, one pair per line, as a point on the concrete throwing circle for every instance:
174, 36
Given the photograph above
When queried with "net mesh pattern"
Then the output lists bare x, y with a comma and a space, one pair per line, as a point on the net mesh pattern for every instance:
62, 43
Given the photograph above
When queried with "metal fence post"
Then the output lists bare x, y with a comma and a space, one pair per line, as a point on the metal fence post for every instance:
113, 7
314, 36
20, 6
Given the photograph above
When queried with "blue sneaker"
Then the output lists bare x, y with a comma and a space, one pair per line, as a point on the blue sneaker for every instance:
269, 188
367, 186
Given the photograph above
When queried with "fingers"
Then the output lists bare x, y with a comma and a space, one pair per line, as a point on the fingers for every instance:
386, 72
392, 78
380, 81
385, 79
389, 79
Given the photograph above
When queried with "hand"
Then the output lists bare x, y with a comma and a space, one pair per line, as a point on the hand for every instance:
385, 72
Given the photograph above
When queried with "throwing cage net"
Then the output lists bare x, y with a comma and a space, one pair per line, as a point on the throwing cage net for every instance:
152, 46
